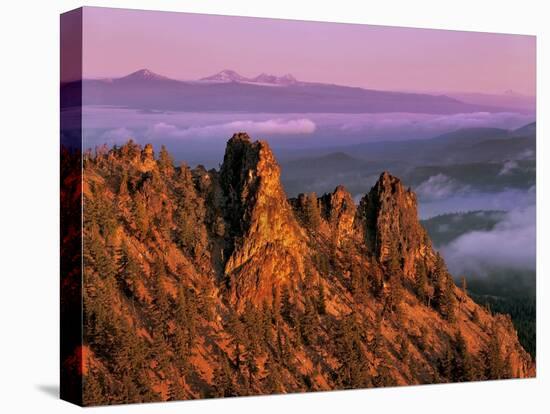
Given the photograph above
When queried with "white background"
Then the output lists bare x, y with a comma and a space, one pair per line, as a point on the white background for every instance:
29, 208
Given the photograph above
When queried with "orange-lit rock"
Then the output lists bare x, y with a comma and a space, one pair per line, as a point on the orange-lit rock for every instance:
194, 279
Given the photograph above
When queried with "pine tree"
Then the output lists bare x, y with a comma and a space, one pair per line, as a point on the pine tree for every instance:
394, 268
175, 391
308, 282
447, 362
93, 389
449, 300
222, 378
403, 347
376, 343
353, 364
162, 301
96, 255
237, 331
444, 297
165, 161
421, 281
464, 286
321, 299
164, 221
312, 214
186, 316
287, 307
395, 293
160, 350
206, 301
141, 216
131, 392
463, 365
309, 323
266, 328
251, 367
492, 356
475, 316
253, 326
439, 277
182, 350
383, 377
360, 283
322, 263
273, 379
185, 234
129, 269
123, 355
276, 307
123, 187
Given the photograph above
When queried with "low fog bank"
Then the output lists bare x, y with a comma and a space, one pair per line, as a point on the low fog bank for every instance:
187, 134
495, 249
461, 200
509, 246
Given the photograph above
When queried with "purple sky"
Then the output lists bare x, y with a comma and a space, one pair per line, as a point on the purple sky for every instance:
191, 46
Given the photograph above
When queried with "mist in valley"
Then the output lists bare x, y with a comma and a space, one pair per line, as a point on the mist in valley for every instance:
456, 163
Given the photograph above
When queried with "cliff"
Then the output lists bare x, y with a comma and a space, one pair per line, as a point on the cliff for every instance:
266, 243
211, 283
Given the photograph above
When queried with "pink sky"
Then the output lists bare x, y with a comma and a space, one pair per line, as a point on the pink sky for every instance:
191, 46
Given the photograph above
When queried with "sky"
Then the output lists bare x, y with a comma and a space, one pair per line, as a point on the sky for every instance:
190, 46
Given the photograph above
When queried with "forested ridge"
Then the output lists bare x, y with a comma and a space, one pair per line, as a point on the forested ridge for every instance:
203, 284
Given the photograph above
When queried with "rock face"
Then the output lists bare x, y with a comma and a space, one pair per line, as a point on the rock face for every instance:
388, 217
265, 241
211, 283
338, 209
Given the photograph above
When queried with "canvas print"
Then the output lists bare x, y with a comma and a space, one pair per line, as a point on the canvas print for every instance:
258, 206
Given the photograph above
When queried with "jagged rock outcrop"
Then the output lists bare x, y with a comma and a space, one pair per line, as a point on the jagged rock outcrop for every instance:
148, 161
388, 219
338, 209
211, 283
265, 243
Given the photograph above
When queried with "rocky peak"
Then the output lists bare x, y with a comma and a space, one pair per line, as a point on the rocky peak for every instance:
144, 75
263, 238
148, 158
131, 155
148, 152
130, 151
246, 167
389, 219
338, 209
226, 75
286, 79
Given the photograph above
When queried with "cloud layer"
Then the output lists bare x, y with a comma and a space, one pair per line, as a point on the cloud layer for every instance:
425, 125
510, 245
473, 200
300, 126
327, 129
439, 187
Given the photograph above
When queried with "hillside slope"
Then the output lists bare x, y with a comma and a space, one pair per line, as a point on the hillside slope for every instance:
211, 283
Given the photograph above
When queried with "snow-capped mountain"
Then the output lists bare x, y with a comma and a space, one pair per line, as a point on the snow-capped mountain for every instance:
287, 79
228, 75
230, 91
144, 74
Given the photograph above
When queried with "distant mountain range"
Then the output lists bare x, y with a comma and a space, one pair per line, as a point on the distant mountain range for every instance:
229, 91
508, 99
228, 75
460, 146
144, 75
485, 159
